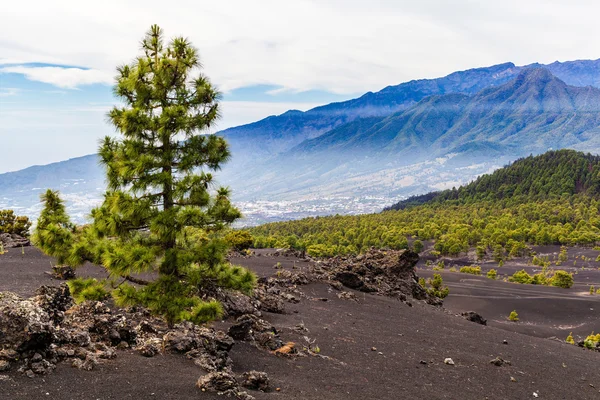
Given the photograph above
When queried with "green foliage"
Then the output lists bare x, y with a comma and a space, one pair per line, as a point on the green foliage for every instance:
473, 270
591, 341
570, 339
481, 252
320, 250
592, 289
558, 278
454, 227
513, 316
562, 279
161, 213
418, 246
439, 266
492, 273
554, 174
11, 223
54, 231
436, 286
563, 255
239, 240
521, 277
87, 289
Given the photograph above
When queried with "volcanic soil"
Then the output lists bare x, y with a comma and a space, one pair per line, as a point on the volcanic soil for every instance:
370, 347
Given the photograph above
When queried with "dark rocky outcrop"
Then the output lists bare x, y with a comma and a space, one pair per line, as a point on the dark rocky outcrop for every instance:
385, 272
12, 240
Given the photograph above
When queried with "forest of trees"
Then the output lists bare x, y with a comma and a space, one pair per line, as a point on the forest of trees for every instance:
550, 175
549, 199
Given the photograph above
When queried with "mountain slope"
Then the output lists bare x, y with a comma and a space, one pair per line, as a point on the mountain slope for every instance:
440, 142
534, 178
277, 134
533, 112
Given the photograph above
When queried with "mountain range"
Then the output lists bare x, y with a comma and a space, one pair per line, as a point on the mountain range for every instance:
362, 154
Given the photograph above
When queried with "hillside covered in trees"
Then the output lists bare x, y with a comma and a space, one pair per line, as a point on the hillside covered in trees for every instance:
550, 175
553, 198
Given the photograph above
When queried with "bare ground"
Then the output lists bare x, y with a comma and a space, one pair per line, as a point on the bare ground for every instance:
375, 347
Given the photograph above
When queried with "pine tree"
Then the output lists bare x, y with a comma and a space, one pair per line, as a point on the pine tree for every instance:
160, 213
54, 231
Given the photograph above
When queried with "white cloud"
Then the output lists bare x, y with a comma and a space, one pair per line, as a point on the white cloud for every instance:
67, 78
344, 46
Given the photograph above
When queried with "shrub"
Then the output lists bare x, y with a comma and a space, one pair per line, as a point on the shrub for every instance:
417, 246
480, 251
592, 289
562, 279
521, 277
239, 240
319, 250
10, 223
437, 288
473, 270
513, 316
570, 339
440, 266
453, 269
492, 274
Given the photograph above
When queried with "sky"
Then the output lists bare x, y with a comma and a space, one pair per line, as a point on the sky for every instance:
58, 58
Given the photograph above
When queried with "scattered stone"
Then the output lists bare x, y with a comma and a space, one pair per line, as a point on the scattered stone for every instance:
256, 380
474, 317
373, 348
505, 341
448, 361
63, 272
423, 362
513, 379
4, 365
499, 362
219, 382
149, 349
347, 296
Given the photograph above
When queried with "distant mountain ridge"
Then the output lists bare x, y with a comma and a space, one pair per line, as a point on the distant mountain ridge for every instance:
276, 134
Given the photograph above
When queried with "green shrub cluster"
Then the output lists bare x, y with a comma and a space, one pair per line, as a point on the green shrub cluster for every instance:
547, 277
435, 286
496, 227
11, 223
473, 270
239, 240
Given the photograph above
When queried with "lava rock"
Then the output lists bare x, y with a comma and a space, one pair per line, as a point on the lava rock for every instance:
474, 317
12, 240
24, 325
256, 380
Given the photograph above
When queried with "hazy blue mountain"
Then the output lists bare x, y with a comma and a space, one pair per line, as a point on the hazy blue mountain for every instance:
277, 134
531, 113
362, 154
